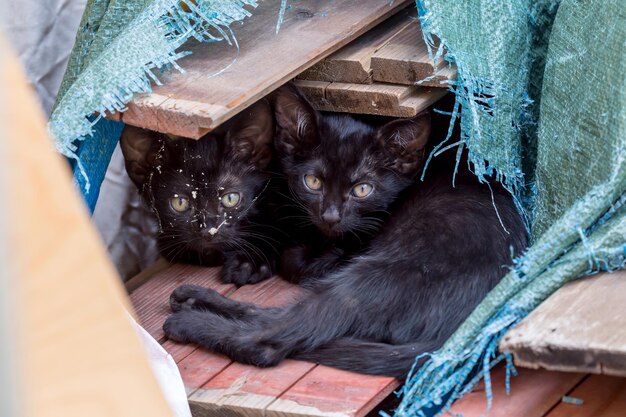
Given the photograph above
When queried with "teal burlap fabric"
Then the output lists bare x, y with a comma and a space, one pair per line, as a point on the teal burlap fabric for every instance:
541, 96
121, 47
540, 99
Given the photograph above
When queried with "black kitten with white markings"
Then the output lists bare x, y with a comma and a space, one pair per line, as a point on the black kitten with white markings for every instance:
438, 253
209, 195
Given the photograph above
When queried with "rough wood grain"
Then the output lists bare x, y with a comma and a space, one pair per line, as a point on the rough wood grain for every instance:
533, 393
329, 392
76, 352
579, 328
404, 59
218, 391
246, 390
602, 396
193, 103
378, 99
351, 64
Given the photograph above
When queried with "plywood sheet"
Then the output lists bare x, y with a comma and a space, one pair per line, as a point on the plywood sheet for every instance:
76, 352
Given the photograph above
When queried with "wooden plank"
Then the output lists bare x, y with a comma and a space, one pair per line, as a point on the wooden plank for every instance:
404, 59
441, 78
76, 352
329, 392
244, 390
351, 64
601, 396
533, 393
241, 388
193, 103
378, 99
579, 328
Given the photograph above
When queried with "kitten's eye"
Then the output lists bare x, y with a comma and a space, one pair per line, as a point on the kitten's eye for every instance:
312, 182
230, 200
179, 203
362, 190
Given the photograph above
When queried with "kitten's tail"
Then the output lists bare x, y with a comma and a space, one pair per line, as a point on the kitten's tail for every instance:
369, 357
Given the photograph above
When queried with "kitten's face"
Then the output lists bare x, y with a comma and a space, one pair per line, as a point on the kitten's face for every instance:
343, 171
202, 191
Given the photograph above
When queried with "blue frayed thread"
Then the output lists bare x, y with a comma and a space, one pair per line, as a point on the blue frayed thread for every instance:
281, 14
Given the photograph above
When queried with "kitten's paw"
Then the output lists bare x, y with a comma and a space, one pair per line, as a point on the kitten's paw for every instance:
240, 272
191, 296
179, 327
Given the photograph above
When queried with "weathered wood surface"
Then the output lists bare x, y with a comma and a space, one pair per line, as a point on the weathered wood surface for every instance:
404, 59
218, 387
598, 396
581, 327
541, 393
533, 394
351, 64
332, 392
193, 103
75, 353
378, 99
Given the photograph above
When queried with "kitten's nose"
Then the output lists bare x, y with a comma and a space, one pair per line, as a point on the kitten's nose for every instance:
331, 215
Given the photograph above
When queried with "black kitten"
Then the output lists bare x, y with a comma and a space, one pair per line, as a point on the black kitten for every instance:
208, 195
435, 258
343, 174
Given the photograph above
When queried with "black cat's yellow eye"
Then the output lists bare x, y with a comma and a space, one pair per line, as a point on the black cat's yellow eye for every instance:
362, 190
230, 200
312, 182
179, 203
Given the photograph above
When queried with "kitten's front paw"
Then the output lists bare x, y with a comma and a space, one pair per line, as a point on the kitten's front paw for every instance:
239, 270
189, 296
179, 326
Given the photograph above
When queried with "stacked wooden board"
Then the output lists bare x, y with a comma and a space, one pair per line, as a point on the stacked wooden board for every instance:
221, 80
387, 71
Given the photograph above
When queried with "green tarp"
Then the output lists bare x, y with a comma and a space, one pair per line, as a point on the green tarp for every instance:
540, 98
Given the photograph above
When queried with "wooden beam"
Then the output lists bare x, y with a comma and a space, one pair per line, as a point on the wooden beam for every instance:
212, 90
351, 64
378, 99
404, 59
579, 328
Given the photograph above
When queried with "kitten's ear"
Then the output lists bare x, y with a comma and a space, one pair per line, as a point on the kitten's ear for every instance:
296, 119
405, 140
140, 147
253, 133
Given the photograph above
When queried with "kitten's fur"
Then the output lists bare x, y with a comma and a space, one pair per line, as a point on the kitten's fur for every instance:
439, 253
234, 158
